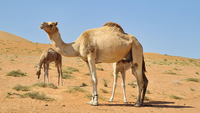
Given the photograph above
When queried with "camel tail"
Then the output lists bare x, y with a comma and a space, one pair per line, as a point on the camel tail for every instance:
143, 66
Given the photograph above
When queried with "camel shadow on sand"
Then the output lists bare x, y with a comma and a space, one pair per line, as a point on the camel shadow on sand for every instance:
157, 104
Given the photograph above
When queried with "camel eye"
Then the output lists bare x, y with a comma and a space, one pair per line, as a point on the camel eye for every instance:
51, 25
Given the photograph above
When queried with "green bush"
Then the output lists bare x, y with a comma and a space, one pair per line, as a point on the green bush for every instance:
22, 88
66, 76
103, 90
17, 73
37, 95
42, 84
75, 88
175, 97
192, 80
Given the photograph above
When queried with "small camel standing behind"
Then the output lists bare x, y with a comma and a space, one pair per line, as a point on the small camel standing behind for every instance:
122, 66
47, 57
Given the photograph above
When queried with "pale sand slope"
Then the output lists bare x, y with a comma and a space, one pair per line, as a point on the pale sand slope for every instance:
8, 36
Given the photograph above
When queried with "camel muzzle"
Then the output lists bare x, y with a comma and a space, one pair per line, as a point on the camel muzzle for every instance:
41, 26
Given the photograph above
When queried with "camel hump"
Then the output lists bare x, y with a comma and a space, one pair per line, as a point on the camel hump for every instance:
115, 25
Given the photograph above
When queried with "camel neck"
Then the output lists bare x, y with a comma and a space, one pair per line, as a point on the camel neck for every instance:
68, 50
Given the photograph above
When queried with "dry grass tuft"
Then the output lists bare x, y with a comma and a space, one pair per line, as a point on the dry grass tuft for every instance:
17, 73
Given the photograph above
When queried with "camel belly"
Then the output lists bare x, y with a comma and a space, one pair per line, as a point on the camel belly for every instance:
111, 55
112, 48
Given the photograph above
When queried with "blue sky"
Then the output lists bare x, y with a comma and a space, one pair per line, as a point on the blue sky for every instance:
162, 26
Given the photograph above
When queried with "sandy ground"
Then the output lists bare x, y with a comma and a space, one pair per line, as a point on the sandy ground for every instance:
25, 56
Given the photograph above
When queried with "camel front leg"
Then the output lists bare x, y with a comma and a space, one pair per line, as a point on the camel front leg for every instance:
92, 68
123, 73
91, 102
47, 72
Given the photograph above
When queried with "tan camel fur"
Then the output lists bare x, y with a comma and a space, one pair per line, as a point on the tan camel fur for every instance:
107, 44
47, 57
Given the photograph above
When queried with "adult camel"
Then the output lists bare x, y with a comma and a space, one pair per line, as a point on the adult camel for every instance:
107, 44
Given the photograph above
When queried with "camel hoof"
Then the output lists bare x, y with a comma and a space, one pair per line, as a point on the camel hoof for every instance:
91, 102
125, 102
137, 105
110, 101
95, 104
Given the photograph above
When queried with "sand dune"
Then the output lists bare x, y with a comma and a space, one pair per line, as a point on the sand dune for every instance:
8, 36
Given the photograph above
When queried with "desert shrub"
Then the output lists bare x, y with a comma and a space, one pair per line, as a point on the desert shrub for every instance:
22, 88
66, 76
9, 94
71, 69
87, 74
67, 72
103, 98
100, 69
37, 95
50, 85
42, 84
105, 83
103, 90
176, 69
192, 80
192, 89
175, 97
148, 92
75, 88
170, 72
83, 84
17, 73
132, 84
88, 96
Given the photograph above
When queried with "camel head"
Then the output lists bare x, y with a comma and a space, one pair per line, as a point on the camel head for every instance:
38, 73
49, 27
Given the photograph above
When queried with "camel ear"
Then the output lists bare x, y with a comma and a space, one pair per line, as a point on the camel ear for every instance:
56, 23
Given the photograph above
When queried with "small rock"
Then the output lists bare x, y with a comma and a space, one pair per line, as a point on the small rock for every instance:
46, 105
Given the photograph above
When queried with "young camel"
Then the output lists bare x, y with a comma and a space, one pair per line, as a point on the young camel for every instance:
121, 67
47, 57
107, 44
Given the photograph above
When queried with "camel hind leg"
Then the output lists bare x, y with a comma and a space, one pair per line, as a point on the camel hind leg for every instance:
115, 74
145, 86
138, 71
46, 71
58, 70
58, 64
123, 75
60, 75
